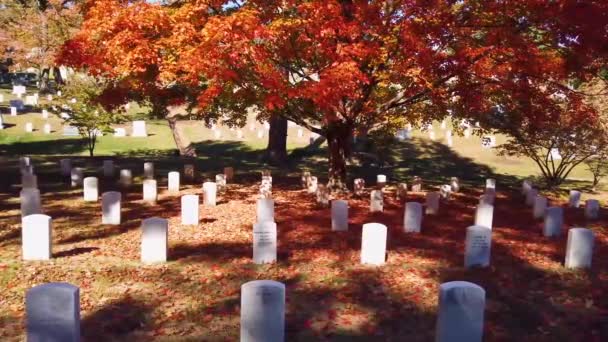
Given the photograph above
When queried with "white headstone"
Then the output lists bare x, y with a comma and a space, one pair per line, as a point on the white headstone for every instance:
66, 166
455, 184
312, 186
173, 182
13, 111
190, 210
490, 183
484, 215
264, 242
149, 170
265, 210
108, 168
579, 249
461, 312
210, 193
36, 232
380, 180
445, 191
53, 313
339, 215
376, 201
76, 176
592, 209
189, 172
154, 238
120, 132
575, 199
412, 217
540, 207
29, 127
477, 246
262, 311
110, 207
432, 203
91, 189
417, 184
373, 244
47, 129
531, 197
30, 202
220, 181
125, 177
45, 114
139, 129
150, 190
554, 219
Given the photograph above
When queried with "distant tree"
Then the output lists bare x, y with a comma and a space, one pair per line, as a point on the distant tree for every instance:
82, 101
598, 166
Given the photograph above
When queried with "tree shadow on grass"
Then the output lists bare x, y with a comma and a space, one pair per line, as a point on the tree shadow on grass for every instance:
63, 146
116, 319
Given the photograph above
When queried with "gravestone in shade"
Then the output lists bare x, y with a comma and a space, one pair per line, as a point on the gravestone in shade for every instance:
575, 199
17, 104
29, 181
150, 192
554, 219
139, 129
531, 197
262, 311
149, 170
445, 191
486, 199
432, 203
373, 244
229, 174
417, 184
108, 168
76, 176
455, 184
376, 201
190, 210
45, 114
490, 183
579, 249
36, 233
380, 181
125, 178
220, 181
13, 111
305, 179
592, 209
173, 182
29, 127
359, 186
47, 129
412, 217
402, 191
110, 207
189, 172
90, 189
120, 132
264, 242
70, 131
209, 194
265, 210
313, 185
477, 246
540, 206
339, 215
53, 313
461, 312
154, 236
484, 215
322, 196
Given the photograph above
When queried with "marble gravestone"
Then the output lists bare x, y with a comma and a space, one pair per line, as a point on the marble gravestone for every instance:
125, 177
110, 207
339, 215
154, 238
265, 210
76, 176
91, 189
455, 184
484, 215
540, 207
412, 217
189, 172
209, 194
432, 203
53, 313
262, 311
45, 114
173, 182
531, 197
376, 201
477, 246
149, 170
190, 209
150, 191
579, 249
592, 209
445, 191
461, 312
120, 132
264, 242
29, 127
220, 181
380, 181
108, 168
36, 237
373, 244
575, 199
139, 129
554, 219
47, 129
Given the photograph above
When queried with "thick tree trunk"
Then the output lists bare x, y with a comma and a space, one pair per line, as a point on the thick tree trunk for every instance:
276, 151
57, 75
338, 140
185, 148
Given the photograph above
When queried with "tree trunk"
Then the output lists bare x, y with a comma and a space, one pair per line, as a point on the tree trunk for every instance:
44, 80
57, 75
338, 140
276, 151
185, 149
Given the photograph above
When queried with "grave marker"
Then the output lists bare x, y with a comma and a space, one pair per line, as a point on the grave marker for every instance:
264, 242
339, 215
126, 177
91, 191
412, 217
432, 203
540, 207
53, 313
173, 182
262, 311
154, 240
110, 207
149, 170
36, 237
66, 166
478, 246
380, 181
139, 129
190, 210
575, 199
210, 193
76, 176
461, 312
108, 168
373, 244
150, 191
592, 209
554, 219
579, 249
376, 201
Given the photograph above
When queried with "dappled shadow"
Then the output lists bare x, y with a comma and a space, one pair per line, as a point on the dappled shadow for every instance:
55, 147
74, 251
116, 319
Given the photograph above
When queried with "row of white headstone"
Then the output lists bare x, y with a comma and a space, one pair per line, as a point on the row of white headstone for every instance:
53, 312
